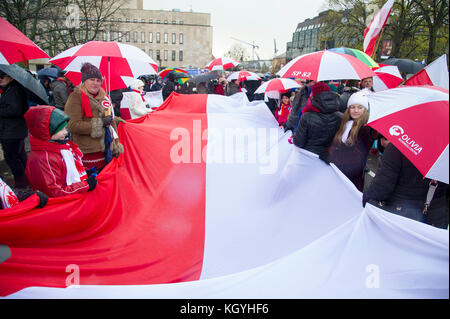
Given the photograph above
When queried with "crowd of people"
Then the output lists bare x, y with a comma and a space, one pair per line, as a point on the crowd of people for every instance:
325, 118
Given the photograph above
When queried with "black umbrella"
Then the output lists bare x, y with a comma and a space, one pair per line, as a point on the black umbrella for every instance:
405, 65
34, 88
206, 77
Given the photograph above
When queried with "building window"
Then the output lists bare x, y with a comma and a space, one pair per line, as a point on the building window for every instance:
135, 20
127, 20
142, 20
166, 55
119, 20
180, 55
150, 20
112, 19
127, 36
150, 37
174, 22
158, 21
135, 36
174, 53
111, 36
166, 37
158, 55
120, 36
174, 38
150, 52
181, 38
105, 37
142, 37
158, 37
166, 22
181, 22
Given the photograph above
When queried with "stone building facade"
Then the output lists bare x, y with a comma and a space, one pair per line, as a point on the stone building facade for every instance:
172, 38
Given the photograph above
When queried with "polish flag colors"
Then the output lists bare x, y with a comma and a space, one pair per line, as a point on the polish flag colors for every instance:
436, 74
243, 76
221, 64
326, 65
210, 188
386, 77
416, 121
119, 63
374, 28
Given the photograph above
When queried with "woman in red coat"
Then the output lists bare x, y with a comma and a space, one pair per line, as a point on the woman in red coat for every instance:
283, 111
54, 165
352, 141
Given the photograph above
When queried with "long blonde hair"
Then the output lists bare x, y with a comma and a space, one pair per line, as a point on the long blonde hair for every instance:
357, 124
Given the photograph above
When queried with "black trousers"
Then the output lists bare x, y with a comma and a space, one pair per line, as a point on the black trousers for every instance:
16, 158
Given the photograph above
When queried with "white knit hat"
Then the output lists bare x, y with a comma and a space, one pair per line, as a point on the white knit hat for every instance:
360, 98
136, 84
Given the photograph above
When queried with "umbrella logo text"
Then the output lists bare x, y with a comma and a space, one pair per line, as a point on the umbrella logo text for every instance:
396, 130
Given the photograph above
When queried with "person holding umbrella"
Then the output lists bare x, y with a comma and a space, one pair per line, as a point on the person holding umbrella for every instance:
399, 188
13, 128
92, 120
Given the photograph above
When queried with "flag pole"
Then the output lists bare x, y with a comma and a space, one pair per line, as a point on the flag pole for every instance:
378, 42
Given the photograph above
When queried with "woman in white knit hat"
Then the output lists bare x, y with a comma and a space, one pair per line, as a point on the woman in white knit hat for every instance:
138, 106
352, 141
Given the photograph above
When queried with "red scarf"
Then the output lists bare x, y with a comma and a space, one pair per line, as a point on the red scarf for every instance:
310, 108
40, 145
85, 105
141, 94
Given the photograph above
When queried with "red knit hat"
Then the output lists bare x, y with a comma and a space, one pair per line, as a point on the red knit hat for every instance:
319, 87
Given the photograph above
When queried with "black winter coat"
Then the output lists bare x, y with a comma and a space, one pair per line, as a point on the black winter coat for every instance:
13, 105
167, 89
398, 182
316, 131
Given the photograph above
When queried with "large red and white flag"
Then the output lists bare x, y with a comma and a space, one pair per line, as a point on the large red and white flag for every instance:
210, 188
435, 73
376, 25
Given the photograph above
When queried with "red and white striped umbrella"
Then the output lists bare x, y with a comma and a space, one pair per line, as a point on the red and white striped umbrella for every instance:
119, 63
15, 46
415, 120
221, 64
279, 84
387, 77
326, 65
243, 76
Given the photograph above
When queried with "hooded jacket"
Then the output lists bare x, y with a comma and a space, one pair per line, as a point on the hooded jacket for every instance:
46, 169
316, 130
137, 101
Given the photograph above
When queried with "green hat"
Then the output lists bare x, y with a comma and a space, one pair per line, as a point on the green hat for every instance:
58, 121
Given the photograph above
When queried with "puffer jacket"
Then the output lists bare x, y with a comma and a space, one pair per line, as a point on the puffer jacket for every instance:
316, 130
13, 105
89, 133
46, 170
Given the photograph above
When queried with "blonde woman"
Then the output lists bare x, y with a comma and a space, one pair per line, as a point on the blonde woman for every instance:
352, 141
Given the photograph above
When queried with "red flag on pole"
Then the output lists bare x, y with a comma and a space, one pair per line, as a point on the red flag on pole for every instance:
376, 25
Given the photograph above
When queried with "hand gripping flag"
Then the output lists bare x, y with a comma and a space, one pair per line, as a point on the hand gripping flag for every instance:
376, 25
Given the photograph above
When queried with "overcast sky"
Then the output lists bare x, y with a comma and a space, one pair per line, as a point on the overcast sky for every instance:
248, 20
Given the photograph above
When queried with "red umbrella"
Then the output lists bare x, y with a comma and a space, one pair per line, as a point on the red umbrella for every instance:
119, 63
243, 76
415, 120
279, 84
15, 46
387, 77
326, 65
221, 64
